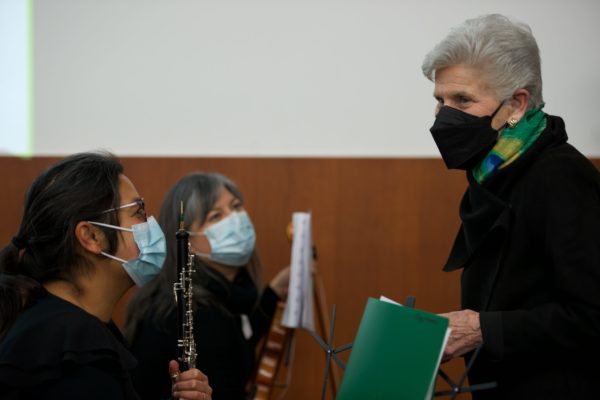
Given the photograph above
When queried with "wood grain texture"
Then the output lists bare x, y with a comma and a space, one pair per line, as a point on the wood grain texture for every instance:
381, 226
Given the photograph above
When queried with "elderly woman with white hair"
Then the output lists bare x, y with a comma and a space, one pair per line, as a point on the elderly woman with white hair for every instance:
529, 243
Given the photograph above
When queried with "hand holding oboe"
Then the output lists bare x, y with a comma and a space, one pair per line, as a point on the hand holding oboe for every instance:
190, 384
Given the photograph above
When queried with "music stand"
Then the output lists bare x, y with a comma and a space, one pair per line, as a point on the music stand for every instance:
330, 351
456, 387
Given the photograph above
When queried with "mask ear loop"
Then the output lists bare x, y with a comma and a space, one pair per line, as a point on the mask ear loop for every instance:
198, 252
113, 257
498, 109
113, 227
494, 114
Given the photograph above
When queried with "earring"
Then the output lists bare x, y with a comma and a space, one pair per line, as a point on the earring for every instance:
512, 122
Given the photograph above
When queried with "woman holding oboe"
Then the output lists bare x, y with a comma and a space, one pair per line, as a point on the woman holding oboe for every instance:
232, 309
84, 239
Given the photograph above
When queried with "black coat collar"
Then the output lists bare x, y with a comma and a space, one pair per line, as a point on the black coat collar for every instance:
486, 208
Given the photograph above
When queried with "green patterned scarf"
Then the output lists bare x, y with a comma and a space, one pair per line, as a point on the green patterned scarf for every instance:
511, 144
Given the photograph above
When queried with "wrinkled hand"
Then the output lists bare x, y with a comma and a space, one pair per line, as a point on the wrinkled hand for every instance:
191, 384
465, 335
280, 283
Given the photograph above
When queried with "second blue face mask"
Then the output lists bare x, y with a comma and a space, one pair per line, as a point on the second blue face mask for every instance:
232, 240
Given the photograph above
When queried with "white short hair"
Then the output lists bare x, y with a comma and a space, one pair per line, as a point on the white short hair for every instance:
504, 50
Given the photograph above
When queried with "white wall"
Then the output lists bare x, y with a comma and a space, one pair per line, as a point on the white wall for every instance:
277, 77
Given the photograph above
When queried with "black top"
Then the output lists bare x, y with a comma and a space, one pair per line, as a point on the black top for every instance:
530, 247
224, 354
56, 350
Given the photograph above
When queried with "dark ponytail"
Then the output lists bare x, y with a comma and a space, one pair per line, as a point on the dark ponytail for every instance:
75, 189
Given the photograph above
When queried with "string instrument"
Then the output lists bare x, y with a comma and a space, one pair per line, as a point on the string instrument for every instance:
274, 347
279, 339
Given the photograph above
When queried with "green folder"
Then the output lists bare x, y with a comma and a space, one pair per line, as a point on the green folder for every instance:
395, 355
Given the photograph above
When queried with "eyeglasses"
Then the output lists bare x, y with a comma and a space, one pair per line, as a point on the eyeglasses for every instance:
139, 203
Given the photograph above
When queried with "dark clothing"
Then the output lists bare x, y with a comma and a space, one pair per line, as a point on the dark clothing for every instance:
224, 354
530, 247
56, 350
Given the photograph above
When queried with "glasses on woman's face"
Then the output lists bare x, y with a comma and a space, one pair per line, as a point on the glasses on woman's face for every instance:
139, 203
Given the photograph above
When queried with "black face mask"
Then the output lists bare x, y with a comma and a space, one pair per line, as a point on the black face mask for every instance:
463, 139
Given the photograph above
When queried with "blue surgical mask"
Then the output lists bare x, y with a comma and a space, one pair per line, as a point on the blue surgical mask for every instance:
231, 240
150, 240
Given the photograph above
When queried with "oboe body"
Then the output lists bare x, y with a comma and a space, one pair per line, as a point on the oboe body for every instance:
183, 290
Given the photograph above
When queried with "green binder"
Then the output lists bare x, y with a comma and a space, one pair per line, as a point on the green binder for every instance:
395, 355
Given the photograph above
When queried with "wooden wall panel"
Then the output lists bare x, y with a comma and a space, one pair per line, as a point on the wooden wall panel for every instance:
381, 226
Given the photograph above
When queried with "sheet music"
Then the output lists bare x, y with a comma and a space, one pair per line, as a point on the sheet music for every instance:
299, 309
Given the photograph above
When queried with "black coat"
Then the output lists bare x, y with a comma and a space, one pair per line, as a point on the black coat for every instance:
225, 355
56, 350
530, 247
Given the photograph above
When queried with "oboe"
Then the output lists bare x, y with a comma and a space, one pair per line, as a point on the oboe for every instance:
183, 290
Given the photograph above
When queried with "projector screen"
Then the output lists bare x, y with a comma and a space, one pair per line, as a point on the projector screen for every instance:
268, 77
15, 74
